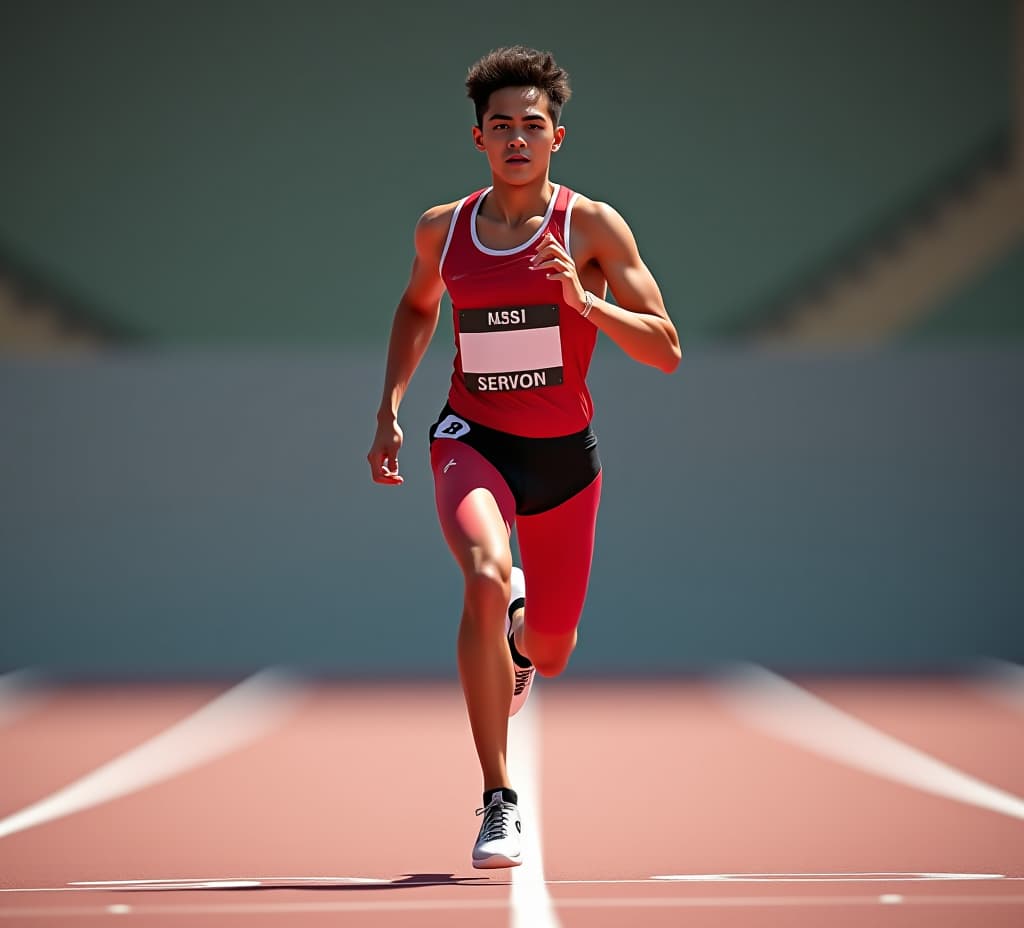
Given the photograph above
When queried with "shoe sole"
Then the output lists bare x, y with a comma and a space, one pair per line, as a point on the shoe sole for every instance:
496, 862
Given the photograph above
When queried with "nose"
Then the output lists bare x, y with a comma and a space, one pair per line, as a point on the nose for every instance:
517, 142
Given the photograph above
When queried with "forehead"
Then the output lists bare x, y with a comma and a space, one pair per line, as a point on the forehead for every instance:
518, 101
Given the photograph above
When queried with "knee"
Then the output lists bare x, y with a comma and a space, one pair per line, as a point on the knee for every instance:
487, 586
549, 653
550, 665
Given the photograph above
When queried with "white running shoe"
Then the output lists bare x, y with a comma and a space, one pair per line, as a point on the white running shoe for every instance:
498, 844
524, 675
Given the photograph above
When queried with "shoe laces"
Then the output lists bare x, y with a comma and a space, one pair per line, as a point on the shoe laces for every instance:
497, 821
522, 678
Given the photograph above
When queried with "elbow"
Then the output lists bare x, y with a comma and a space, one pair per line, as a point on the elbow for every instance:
671, 361
673, 350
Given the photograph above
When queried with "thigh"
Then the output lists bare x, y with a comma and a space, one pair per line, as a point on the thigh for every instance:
557, 548
475, 506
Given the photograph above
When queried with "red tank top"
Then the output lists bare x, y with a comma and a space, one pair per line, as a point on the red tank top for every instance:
521, 354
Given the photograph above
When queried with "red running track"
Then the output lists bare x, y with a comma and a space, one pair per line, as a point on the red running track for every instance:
819, 801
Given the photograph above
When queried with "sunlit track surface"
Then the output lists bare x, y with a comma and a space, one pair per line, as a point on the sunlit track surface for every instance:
243, 713
352, 803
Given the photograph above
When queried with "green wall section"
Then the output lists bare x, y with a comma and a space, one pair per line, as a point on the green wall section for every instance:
990, 307
249, 172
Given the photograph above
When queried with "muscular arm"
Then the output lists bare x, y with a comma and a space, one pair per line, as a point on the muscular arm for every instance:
413, 326
639, 324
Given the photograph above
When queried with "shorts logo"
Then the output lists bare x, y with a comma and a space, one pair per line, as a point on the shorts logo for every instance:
451, 427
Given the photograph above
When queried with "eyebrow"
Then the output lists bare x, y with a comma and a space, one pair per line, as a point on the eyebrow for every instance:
529, 117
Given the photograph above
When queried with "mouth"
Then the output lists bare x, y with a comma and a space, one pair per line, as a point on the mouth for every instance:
517, 159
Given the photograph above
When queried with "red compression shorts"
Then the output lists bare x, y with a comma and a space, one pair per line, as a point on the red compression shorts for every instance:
548, 490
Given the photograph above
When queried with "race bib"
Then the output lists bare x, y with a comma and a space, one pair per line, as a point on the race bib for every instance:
451, 427
510, 348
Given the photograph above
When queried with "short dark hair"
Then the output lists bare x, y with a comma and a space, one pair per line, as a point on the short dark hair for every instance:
517, 66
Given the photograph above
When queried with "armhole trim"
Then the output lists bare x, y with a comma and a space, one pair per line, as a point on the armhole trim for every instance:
568, 223
451, 232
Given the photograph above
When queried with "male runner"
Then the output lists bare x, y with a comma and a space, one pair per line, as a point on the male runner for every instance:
526, 263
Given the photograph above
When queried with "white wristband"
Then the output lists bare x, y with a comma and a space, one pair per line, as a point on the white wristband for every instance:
588, 303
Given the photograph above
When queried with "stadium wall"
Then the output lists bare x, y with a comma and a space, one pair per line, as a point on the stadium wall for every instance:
201, 514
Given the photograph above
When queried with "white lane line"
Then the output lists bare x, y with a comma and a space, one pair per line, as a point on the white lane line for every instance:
21, 691
240, 715
214, 882
1000, 680
787, 711
531, 904
244, 882
299, 882
452, 905
823, 877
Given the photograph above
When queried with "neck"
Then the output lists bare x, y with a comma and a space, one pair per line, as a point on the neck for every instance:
514, 205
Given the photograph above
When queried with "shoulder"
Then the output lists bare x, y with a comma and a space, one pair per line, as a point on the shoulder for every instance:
599, 223
437, 217
595, 214
437, 220
432, 226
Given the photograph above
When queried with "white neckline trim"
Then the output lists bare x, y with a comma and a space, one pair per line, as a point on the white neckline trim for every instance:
510, 251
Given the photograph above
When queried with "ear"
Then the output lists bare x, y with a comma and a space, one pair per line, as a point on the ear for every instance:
478, 138
558, 139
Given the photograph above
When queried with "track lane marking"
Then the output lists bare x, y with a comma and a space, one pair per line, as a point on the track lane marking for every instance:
862, 877
781, 708
298, 883
441, 905
531, 904
284, 882
215, 882
237, 717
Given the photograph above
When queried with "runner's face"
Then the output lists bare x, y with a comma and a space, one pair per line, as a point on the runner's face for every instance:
518, 135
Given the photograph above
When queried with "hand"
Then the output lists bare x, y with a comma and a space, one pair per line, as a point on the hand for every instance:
553, 258
383, 456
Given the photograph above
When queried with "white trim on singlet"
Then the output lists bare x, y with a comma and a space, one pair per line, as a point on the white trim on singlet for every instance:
510, 251
568, 222
451, 232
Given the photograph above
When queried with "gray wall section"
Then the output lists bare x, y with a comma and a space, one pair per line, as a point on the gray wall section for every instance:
249, 171
206, 513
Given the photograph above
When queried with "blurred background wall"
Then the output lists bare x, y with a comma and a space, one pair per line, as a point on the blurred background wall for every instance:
206, 214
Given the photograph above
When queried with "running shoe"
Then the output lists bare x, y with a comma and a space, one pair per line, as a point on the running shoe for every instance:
498, 843
523, 668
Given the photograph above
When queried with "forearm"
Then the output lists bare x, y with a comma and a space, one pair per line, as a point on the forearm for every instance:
411, 332
644, 336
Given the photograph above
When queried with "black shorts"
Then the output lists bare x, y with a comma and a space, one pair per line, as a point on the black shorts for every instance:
542, 473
